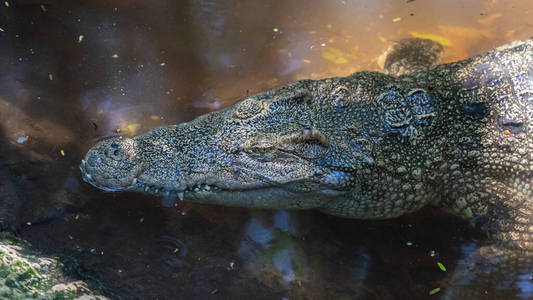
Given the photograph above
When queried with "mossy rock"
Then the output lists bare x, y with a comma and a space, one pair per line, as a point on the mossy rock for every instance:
25, 274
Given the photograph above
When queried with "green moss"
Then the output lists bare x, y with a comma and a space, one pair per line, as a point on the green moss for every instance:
21, 277
64, 295
19, 280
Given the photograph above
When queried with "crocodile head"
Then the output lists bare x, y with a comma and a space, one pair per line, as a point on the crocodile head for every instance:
266, 151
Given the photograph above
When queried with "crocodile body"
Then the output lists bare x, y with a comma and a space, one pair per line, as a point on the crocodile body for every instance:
369, 145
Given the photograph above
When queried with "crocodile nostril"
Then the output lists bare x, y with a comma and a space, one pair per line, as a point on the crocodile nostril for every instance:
114, 145
116, 152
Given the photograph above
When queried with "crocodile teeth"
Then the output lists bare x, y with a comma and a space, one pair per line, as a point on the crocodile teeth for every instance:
207, 188
134, 181
83, 162
196, 189
146, 188
180, 196
156, 191
89, 176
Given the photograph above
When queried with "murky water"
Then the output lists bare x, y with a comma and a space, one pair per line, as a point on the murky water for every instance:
72, 73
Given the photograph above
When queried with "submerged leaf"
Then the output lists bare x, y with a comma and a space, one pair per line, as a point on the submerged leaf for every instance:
434, 291
335, 55
465, 32
434, 37
441, 266
133, 128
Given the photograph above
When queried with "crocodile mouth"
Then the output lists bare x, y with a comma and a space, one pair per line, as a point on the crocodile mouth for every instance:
204, 190
194, 192
268, 196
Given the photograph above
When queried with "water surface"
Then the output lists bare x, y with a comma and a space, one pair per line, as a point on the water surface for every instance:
74, 72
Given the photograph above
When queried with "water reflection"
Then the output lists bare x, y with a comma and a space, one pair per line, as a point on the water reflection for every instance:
271, 245
142, 64
525, 285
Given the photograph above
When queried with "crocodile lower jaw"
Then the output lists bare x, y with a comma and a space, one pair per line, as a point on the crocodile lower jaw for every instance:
172, 193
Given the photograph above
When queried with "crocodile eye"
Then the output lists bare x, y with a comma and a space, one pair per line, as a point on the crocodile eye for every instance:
311, 136
308, 143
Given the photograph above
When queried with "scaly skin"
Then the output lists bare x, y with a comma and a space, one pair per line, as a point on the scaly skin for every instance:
369, 145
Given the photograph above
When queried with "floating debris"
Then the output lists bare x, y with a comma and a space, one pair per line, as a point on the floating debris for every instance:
132, 128
489, 20
162, 64
441, 266
434, 291
275, 29
6, 4
409, 244
1, 30
398, 19
22, 139
115, 56
154, 117
28, 223
43, 7
80, 38
335, 56
50, 76
434, 37
62, 152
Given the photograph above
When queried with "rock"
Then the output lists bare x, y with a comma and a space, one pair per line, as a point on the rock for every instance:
26, 274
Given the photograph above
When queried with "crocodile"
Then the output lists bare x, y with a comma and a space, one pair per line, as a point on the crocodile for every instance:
372, 145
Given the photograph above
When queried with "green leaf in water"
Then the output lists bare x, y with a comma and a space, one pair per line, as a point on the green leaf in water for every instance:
434, 291
441, 266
